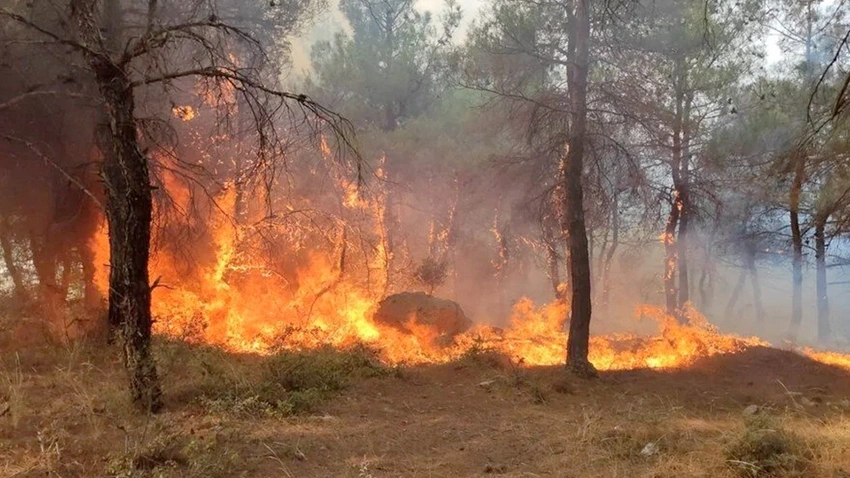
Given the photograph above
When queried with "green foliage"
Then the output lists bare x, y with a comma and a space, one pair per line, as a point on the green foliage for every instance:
288, 383
168, 454
386, 72
765, 449
482, 354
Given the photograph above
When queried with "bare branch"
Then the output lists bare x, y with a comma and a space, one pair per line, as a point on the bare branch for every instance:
58, 39
32, 147
29, 94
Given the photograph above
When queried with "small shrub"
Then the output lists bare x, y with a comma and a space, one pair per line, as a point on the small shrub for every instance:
291, 382
431, 273
481, 354
175, 454
764, 449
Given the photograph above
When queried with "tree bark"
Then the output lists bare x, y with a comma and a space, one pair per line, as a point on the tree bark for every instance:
579, 337
128, 212
824, 329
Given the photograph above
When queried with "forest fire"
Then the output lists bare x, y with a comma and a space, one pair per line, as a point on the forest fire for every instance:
238, 303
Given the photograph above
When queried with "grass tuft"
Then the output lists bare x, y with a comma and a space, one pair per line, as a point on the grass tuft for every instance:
765, 450
288, 383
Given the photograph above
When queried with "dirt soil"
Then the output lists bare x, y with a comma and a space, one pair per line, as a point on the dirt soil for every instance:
65, 416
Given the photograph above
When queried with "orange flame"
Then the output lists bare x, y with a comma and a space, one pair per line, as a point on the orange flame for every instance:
236, 301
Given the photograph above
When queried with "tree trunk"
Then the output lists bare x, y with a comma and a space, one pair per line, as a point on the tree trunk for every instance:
736, 293
579, 337
128, 212
685, 202
21, 293
552, 258
754, 280
706, 290
671, 256
609, 256
51, 301
824, 329
797, 242
91, 296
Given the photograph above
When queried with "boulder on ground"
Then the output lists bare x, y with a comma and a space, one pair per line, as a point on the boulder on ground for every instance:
428, 317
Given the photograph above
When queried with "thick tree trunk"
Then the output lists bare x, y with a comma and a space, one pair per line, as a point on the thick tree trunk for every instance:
797, 243
824, 328
128, 213
579, 337
128, 209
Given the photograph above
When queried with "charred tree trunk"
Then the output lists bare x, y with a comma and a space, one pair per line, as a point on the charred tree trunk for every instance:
579, 337
678, 219
671, 256
824, 329
128, 212
685, 204
797, 243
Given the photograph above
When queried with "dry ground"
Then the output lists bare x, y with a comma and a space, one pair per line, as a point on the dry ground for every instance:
64, 414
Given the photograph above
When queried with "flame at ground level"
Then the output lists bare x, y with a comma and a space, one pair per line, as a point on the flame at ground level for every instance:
238, 301
254, 318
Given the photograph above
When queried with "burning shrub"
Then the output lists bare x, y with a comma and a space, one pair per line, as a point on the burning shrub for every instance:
765, 449
431, 273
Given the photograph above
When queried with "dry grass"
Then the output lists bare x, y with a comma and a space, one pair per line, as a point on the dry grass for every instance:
341, 414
